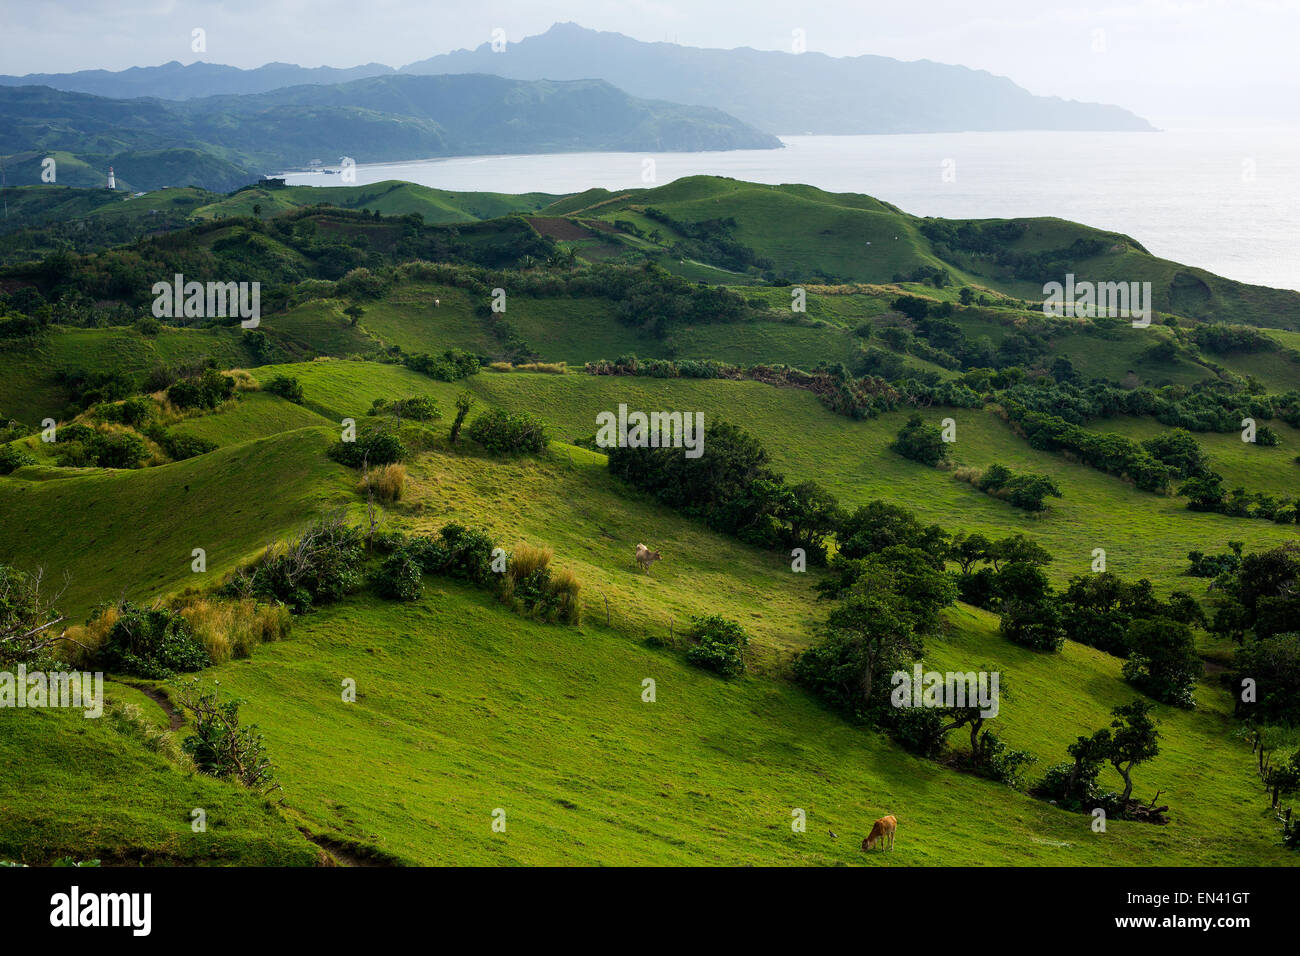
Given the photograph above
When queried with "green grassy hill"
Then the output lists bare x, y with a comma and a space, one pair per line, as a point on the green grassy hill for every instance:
855, 238
465, 707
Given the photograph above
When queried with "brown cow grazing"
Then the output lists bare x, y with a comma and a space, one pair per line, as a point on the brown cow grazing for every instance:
882, 831
645, 557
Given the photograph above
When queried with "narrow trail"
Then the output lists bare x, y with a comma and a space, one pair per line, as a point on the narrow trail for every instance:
174, 719
343, 854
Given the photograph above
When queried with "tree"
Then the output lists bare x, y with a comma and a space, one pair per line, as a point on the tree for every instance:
354, 313
811, 514
1017, 548
966, 549
878, 525
1204, 493
1135, 740
28, 620
921, 442
1024, 582
1284, 779
464, 402
1273, 664
1029, 491
911, 306
1089, 753
1033, 625
1163, 661
866, 637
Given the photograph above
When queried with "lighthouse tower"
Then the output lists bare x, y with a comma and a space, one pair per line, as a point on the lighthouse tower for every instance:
112, 183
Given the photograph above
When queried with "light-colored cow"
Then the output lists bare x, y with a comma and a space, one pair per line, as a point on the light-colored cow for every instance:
882, 831
645, 557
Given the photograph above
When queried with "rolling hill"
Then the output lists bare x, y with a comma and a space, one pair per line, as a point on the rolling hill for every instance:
467, 708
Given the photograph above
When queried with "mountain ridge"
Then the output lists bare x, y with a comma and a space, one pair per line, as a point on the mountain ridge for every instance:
779, 93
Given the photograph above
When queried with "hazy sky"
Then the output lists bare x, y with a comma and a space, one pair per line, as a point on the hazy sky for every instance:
1177, 62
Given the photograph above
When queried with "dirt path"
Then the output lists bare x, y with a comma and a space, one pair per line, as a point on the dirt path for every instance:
174, 719
342, 854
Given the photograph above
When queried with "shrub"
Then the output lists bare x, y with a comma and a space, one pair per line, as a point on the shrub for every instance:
457, 552
529, 583
286, 387
719, 644
234, 628
117, 449
180, 447
563, 595
451, 366
220, 747
208, 390
398, 577
321, 565
134, 412
502, 432
85, 640
377, 446
996, 761
13, 457
417, 408
154, 643
921, 442
464, 402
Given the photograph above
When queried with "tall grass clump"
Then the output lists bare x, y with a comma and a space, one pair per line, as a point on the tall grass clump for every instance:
85, 640
532, 587
386, 482
234, 628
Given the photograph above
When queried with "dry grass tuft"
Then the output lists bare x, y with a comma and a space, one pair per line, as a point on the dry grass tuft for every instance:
386, 481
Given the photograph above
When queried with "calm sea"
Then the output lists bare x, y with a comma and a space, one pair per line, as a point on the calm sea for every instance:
1228, 201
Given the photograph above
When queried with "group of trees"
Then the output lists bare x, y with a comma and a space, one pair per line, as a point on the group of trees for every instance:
734, 490
1027, 491
890, 586
712, 241
1132, 738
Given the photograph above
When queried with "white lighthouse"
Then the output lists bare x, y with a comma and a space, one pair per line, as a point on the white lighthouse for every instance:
112, 183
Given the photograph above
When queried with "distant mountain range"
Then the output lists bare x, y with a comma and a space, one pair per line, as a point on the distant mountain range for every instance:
377, 119
781, 93
176, 81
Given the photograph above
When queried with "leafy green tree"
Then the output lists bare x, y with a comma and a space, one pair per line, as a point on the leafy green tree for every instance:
1134, 740
1163, 661
464, 402
921, 442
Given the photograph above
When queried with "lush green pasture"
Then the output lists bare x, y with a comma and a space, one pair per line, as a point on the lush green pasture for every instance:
90, 789
131, 533
464, 709
29, 392
1143, 534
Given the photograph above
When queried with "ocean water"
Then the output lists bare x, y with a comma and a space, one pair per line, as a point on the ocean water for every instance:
1227, 201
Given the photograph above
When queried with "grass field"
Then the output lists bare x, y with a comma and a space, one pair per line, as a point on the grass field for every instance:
1144, 535
466, 709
